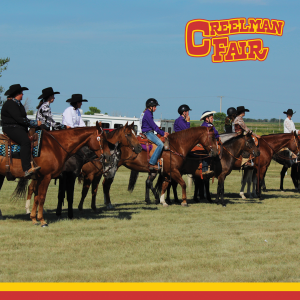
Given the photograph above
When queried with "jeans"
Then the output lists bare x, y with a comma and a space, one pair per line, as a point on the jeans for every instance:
153, 138
205, 164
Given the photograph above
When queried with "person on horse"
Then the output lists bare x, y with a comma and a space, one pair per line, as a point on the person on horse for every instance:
208, 118
183, 121
241, 128
288, 124
231, 115
15, 125
148, 128
71, 115
44, 115
239, 124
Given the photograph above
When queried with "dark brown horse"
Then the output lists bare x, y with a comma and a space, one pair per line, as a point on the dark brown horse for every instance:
232, 149
268, 146
57, 147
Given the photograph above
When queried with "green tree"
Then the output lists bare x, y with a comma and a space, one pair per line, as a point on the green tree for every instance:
3, 66
29, 112
219, 117
93, 110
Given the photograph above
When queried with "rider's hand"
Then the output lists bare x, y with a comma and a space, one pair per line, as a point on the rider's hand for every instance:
187, 118
258, 136
166, 134
68, 127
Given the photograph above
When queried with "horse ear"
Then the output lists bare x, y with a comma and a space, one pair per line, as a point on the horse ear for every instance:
98, 125
126, 125
132, 124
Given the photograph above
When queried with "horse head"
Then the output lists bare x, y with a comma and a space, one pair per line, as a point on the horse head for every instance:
131, 139
250, 145
211, 144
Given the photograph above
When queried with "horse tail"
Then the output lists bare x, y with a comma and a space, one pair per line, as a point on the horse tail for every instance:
20, 191
80, 178
132, 180
159, 182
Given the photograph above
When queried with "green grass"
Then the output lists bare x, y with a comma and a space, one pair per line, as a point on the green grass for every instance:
248, 241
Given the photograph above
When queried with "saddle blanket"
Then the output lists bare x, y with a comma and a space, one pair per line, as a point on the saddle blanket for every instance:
15, 149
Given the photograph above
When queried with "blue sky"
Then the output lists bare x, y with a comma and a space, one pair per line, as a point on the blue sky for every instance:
120, 53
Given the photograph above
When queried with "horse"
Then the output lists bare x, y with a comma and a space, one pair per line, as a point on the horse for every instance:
232, 149
121, 136
57, 147
268, 146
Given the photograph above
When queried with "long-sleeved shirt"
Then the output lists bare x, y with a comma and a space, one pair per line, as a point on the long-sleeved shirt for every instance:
289, 126
205, 124
72, 117
44, 115
148, 123
13, 113
181, 124
240, 124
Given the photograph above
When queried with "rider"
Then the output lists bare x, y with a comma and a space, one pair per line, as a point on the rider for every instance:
148, 128
239, 124
231, 114
208, 119
15, 125
288, 124
71, 115
183, 121
44, 115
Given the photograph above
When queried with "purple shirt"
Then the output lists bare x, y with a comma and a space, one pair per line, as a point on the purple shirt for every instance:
205, 124
148, 124
181, 124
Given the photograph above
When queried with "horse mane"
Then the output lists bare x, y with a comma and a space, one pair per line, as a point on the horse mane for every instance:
183, 133
233, 139
111, 134
275, 134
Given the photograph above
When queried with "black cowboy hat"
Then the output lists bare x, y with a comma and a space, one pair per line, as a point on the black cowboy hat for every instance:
289, 112
47, 92
76, 98
15, 89
241, 109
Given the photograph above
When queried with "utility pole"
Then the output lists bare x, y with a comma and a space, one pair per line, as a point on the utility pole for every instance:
221, 103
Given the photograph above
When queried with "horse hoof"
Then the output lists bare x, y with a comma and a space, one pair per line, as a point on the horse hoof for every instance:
224, 205
243, 196
184, 204
44, 225
165, 205
148, 201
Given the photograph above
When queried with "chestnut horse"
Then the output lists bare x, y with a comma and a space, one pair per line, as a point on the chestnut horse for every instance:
181, 143
123, 136
57, 147
232, 149
268, 146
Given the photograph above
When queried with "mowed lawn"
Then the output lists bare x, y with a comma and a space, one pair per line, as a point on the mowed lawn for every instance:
248, 241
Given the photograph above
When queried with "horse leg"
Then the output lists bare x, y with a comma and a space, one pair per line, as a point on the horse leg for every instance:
168, 194
70, 183
148, 184
95, 184
174, 186
196, 191
282, 174
106, 183
254, 183
61, 193
206, 186
39, 200
261, 177
221, 180
244, 182
85, 188
30, 191
163, 190
294, 175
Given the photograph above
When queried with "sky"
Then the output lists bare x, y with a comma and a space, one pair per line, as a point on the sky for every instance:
117, 54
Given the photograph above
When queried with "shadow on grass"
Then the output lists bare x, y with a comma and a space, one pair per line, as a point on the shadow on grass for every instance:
101, 213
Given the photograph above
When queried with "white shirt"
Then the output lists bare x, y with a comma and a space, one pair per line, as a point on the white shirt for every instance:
141, 118
72, 117
289, 126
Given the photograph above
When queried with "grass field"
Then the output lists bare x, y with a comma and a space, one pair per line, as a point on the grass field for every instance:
248, 241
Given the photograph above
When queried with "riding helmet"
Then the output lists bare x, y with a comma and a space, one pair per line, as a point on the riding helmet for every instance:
151, 102
231, 111
182, 108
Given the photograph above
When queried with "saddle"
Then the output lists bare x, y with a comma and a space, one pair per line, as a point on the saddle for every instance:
150, 147
11, 149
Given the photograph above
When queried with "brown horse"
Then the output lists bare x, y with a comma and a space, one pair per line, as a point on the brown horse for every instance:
232, 149
57, 147
268, 146
181, 144
123, 136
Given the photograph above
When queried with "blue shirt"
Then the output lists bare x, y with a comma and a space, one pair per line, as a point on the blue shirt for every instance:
181, 124
148, 124
205, 124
